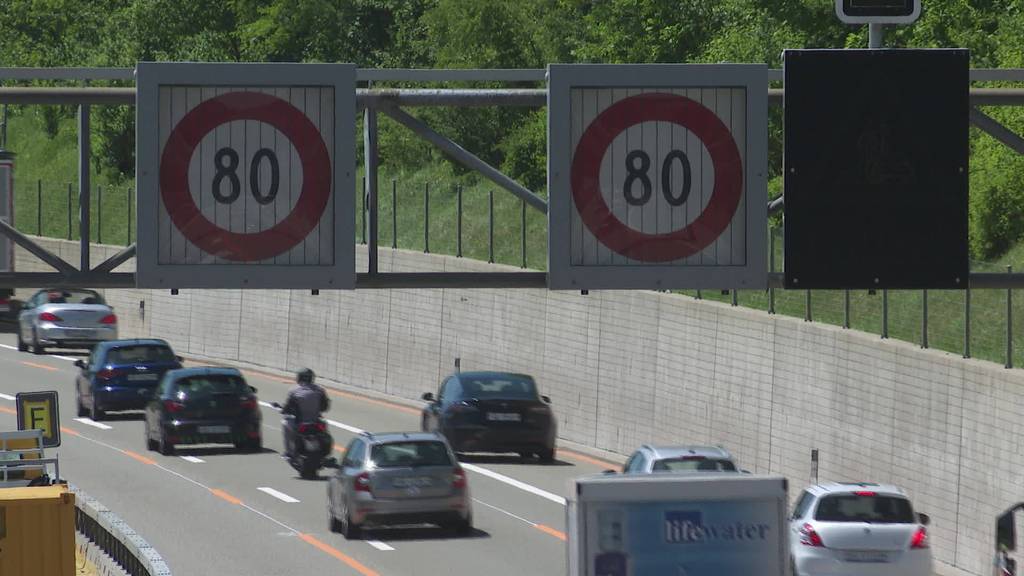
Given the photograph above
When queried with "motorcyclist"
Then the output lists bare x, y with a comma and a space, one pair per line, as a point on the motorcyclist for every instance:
306, 402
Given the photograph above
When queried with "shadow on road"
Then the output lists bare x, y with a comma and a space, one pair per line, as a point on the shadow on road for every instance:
412, 533
216, 451
508, 459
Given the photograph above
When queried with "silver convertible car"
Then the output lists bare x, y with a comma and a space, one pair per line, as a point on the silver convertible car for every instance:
65, 318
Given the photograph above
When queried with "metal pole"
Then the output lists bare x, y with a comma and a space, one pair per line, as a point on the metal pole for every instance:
490, 228
698, 296
426, 218
967, 322
99, 214
771, 268
371, 157
876, 33
39, 207
846, 309
83, 184
394, 214
523, 237
3, 136
735, 297
1009, 323
885, 313
807, 308
924, 318
69, 210
362, 213
458, 226
129, 203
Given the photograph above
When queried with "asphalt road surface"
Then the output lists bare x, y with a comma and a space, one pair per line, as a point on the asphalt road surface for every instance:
210, 511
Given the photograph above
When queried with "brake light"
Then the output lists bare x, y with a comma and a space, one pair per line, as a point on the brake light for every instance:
249, 404
362, 483
108, 373
173, 406
864, 493
321, 427
49, 317
109, 319
920, 539
810, 537
459, 478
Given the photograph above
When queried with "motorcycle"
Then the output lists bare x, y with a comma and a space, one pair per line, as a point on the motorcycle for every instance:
313, 444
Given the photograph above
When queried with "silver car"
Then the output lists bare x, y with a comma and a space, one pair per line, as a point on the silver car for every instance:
648, 459
65, 318
398, 479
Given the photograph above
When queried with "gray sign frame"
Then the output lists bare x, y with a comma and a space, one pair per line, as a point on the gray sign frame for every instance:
562, 79
150, 76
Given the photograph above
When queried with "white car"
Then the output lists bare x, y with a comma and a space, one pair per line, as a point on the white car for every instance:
847, 529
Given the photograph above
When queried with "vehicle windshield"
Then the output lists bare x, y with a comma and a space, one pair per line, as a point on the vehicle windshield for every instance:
72, 296
691, 463
208, 384
875, 509
499, 387
144, 354
403, 454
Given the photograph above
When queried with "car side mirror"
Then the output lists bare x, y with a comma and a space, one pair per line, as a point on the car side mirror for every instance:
546, 399
428, 396
80, 364
253, 389
179, 358
924, 519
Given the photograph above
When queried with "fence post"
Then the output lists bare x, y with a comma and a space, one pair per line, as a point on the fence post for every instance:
771, 268
39, 207
458, 225
371, 157
924, 318
394, 213
363, 211
735, 297
129, 203
1009, 322
490, 229
698, 295
885, 313
69, 210
99, 214
426, 218
846, 308
808, 317
967, 322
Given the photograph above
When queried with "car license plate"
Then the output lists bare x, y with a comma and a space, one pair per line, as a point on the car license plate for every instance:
503, 417
214, 429
866, 556
141, 377
416, 482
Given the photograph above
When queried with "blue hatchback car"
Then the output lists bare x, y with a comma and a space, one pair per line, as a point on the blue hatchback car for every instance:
122, 375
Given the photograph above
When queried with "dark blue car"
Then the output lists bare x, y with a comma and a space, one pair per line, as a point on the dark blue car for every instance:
122, 375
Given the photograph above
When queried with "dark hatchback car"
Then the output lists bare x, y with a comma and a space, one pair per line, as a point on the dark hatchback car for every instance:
121, 375
203, 406
492, 412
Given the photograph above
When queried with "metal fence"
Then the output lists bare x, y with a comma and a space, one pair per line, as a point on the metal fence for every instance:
112, 535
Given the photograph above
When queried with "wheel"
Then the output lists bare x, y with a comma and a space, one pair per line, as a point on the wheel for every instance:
165, 447
96, 413
332, 523
36, 347
151, 444
22, 347
547, 455
82, 412
250, 445
525, 455
310, 467
349, 530
463, 526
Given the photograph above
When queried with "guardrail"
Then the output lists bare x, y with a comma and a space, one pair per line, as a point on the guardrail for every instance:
116, 538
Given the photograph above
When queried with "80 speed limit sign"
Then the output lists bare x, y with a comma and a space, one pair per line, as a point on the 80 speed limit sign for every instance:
245, 175
656, 176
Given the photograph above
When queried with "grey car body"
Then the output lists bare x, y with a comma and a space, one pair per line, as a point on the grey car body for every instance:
398, 479
649, 459
65, 318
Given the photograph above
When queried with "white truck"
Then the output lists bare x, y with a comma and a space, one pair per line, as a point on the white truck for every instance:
685, 524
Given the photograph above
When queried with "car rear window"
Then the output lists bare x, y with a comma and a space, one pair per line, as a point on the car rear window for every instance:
74, 297
876, 509
497, 387
140, 354
402, 454
685, 463
212, 384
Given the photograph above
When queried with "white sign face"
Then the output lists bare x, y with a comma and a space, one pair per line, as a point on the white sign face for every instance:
657, 176
246, 176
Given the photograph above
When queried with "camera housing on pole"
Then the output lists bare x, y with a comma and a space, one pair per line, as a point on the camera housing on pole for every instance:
878, 11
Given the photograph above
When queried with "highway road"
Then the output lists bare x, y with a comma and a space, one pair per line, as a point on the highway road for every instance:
210, 511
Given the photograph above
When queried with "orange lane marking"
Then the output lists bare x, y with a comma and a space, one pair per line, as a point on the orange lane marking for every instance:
67, 430
138, 457
224, 495
588, 459
41, 366
550, 531
339, 448
352, 562
373, 401
8, 410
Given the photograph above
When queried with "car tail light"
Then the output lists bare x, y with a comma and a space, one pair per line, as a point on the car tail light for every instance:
249, 404
321, 427
109, 319
49, 317
810, 537
108, 374
307, 427
920, 539
362, 483
173, 406
865, 493
458, 478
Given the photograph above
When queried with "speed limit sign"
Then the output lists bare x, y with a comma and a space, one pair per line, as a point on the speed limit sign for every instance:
657, 176
245, 175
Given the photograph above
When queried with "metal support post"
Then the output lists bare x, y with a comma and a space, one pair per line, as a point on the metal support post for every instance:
490, 227
69, 211
735, 297
924, 318
129, 204
458, 223
967, 322
99, 214
771, 268
698, 295
362, 212
1009, 323
876, 33
83, 184
370, 153
846, 308
394, 214
885, 313
39, 207
523, 239
808, 317
426, 218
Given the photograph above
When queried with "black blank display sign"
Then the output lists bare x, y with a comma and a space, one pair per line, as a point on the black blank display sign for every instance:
876, 168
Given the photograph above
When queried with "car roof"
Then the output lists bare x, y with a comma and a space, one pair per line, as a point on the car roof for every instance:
134, 342
388, 437
202, 371
679, 451
492, 374
825, 488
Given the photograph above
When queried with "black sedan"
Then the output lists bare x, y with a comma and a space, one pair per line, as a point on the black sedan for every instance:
492, 412
203, 406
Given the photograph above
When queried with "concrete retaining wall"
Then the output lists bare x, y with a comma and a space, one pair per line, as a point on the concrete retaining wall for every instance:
623, 368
